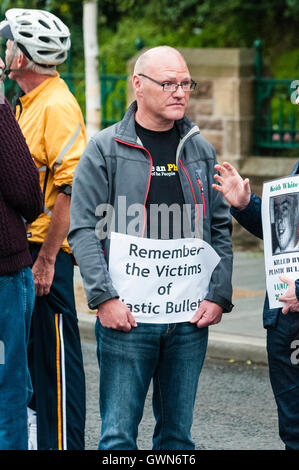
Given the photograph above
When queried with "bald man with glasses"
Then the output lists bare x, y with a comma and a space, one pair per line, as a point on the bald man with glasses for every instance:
154, 157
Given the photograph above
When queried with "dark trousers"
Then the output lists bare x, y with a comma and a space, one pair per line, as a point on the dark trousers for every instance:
56, 364
283, 356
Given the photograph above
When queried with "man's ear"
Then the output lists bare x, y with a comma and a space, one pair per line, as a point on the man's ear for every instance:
22, 60
137, 84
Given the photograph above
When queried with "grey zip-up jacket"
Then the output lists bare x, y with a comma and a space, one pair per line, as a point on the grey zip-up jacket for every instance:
115, 165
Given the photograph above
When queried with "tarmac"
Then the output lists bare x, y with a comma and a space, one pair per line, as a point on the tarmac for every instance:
240, 335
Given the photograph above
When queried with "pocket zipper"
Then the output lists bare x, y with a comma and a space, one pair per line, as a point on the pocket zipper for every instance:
202, 195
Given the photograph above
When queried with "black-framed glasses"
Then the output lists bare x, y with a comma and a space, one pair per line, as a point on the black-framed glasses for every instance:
170, 86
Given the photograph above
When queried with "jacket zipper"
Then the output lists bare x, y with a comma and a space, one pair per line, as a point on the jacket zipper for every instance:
190, 134
202, 195
150, 175
18, 102
194, 198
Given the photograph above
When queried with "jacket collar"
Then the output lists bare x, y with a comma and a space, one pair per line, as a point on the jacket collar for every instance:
126, 129
27, 98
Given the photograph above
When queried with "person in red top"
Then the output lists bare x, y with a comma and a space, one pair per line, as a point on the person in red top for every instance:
20, 202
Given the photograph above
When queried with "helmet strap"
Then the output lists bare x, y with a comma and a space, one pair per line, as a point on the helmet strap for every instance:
6, 71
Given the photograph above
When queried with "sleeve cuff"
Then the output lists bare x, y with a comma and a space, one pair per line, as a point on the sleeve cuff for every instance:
249, 206
94, 303
225, 304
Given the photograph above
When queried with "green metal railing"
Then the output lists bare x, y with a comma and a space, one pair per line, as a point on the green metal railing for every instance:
276, 124
112, 90
113, 97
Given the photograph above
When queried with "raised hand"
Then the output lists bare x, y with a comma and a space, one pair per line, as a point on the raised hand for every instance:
235, 190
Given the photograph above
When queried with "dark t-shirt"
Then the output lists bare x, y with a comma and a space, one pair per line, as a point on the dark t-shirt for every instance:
165, 187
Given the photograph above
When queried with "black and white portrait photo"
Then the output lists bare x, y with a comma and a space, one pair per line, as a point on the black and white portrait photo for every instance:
284, 210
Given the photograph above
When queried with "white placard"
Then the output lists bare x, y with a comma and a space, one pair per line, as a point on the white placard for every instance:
161, 281
280, 216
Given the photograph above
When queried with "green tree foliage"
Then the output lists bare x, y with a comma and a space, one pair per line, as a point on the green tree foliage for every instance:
180, 23
198, 23
234, 20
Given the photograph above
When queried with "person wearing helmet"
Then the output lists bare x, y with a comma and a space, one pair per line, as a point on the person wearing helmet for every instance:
42, 37
53, 125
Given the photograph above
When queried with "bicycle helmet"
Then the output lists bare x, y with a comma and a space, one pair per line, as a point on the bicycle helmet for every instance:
40, 35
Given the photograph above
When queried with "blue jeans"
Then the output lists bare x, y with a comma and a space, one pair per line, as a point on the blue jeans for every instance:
16, 305
172, 355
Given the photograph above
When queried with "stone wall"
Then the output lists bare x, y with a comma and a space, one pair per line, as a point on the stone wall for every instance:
258, 170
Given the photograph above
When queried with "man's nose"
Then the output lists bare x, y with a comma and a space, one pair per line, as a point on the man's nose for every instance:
279, 218
179, 91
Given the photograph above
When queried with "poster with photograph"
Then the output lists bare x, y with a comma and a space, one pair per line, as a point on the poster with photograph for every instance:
280, 216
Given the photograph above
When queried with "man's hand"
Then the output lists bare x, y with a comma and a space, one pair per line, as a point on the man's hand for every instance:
291, 303
43, 268
115, 314
43, 274
235, 190
208, 313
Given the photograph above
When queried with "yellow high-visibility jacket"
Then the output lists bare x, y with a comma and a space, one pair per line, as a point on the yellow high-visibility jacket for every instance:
52, 123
